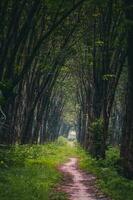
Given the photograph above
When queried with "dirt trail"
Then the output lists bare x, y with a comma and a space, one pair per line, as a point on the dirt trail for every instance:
78, 184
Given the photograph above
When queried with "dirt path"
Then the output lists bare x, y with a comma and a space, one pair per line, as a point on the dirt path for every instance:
78, 184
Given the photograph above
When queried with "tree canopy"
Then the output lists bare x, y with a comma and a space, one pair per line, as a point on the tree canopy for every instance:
68, 65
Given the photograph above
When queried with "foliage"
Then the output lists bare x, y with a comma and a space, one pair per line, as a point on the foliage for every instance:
107, 77
62, 141
30, 172
97, 129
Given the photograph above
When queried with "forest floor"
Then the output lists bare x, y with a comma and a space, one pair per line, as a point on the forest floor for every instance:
60, 171
78, 184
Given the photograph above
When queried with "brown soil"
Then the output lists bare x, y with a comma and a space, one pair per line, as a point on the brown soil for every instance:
78, 184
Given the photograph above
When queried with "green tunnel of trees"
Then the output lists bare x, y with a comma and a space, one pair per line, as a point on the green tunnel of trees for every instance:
68, 65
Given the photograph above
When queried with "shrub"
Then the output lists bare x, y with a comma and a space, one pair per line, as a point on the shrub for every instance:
62, 140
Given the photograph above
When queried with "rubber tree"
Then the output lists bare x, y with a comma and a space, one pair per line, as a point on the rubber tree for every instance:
127, 138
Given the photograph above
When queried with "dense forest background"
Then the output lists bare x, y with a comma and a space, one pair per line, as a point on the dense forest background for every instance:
68, 65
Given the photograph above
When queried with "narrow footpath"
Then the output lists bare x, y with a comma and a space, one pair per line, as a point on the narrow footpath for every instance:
78, 184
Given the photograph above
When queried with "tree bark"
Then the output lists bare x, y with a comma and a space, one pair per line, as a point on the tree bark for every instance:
127, 138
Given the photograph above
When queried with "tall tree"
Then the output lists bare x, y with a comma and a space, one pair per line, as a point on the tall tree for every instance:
127, 139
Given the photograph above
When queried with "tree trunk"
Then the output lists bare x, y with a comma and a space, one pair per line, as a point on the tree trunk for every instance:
127, 138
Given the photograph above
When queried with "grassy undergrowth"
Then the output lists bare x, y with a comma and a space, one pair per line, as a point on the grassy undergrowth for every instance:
30, 172
109, 180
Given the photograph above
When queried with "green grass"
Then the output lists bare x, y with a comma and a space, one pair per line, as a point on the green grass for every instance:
30, 172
